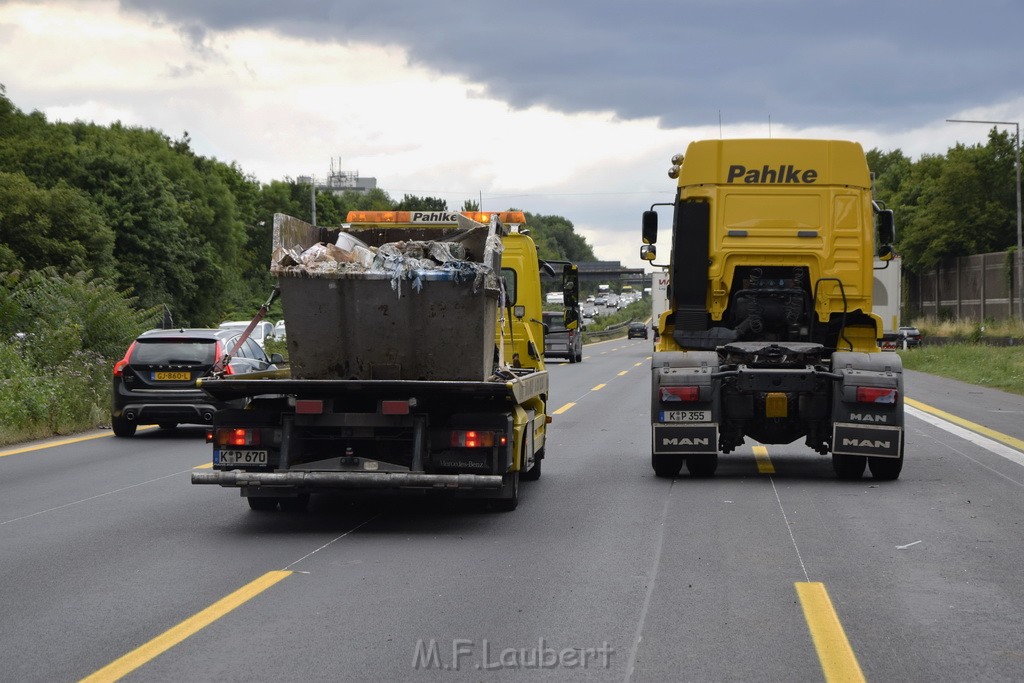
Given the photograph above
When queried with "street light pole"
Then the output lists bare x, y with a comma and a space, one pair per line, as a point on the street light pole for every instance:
1019, 255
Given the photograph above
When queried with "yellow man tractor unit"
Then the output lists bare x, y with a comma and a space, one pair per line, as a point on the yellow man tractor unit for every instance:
769, 331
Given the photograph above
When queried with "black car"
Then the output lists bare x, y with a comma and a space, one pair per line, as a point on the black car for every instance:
155, 382
911, 335
636, 330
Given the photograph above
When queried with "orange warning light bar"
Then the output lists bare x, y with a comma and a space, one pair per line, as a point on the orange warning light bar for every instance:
433, 217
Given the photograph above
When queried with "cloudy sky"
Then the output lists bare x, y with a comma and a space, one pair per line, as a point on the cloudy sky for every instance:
567, 107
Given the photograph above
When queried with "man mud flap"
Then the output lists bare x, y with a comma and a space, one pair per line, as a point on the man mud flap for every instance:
875, 441
685, 439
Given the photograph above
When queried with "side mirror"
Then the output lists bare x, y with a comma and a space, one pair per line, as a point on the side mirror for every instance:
648, 252
886, 253
571, 286
572, 317
277, 359
886, 227
649, 227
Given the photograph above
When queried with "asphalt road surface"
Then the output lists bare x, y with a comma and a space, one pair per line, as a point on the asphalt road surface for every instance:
114, 564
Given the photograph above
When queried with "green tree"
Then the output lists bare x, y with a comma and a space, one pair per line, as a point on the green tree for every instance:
58, 227
413, 203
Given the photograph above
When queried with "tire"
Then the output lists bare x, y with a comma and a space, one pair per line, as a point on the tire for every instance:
262, 504
848, 467
297, 504
667, 466
533, 474
508, 499
122, 427
702, 466
887, 469
579, 356
572, 357
168, 425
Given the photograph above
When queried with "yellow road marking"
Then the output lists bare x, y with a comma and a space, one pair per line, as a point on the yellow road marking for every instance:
599, 387
636, 365
623, 373
203, 466
764, 463
834, 652
168, 639
563, 409
973, 426
62, 442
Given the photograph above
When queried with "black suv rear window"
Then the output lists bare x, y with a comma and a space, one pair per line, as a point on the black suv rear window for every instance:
174, 352
555, 322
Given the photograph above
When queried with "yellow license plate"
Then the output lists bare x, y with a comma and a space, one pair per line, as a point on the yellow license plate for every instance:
179, 376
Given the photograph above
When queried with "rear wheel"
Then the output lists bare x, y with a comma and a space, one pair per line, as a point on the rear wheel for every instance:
122, 427
533, 474
667, 466
262, 504
887, 469
848, 467
297, 504
702, 465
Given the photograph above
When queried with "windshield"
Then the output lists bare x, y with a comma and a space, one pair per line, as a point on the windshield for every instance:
174, 352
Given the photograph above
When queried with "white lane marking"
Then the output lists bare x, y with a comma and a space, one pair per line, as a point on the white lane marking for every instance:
904, 547
1011, 454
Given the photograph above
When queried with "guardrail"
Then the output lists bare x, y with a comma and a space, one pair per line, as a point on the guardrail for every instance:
609, 332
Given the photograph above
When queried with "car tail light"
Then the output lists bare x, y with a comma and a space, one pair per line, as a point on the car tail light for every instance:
680, 394
120, 365
234, 436
471, 438
877, 395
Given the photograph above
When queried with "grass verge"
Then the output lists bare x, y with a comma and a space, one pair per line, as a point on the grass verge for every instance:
986, 366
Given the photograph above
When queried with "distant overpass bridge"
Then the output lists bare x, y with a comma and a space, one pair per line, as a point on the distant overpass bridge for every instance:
608, 272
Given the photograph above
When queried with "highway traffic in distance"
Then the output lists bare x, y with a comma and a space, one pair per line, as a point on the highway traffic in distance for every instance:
770, 570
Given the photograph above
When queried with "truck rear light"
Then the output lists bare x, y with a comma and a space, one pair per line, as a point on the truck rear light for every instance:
680, 394
394, 407
234, 436
470, 438
877, 395
309, 406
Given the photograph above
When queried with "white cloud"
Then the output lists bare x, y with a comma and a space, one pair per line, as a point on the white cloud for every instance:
283, 106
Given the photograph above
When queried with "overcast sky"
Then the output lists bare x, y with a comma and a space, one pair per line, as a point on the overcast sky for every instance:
571, 108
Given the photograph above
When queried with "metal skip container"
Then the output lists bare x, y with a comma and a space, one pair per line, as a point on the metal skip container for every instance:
390, 303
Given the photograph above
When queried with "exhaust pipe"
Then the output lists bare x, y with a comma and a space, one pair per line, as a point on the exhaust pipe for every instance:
208, 416
129, 415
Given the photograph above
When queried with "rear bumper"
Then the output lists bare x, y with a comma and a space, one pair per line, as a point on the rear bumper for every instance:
154, 413
348, 480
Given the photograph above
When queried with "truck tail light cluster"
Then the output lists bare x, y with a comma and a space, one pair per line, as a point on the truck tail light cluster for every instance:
234, 437
686, 394
471, 438
877, 395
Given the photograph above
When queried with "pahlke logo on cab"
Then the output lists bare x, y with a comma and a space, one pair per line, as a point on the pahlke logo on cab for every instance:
786, 174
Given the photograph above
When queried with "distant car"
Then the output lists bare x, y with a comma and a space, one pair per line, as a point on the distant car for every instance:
155, 382
561, 342
636, 330
264, 329
601, 301
911, 335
